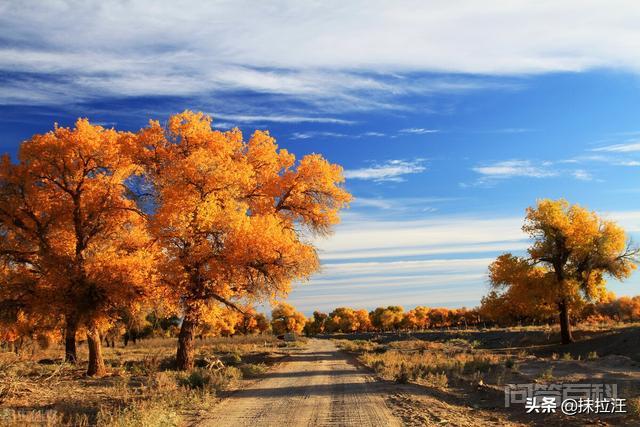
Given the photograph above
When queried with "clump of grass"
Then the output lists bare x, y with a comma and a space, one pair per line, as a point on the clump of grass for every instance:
142, 413
252, 370
460, 342
633, 407
404, 375
592, 355
547, 375
437, 366
511, 364
48, 418
357, 346
567, 356
203, 379
438, 380
148, 365
164, 382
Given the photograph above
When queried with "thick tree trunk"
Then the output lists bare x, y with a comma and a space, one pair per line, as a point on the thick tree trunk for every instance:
565, 324
96, 366
184, 356
71, 328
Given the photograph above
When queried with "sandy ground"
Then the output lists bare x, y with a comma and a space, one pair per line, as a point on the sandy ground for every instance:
318, 386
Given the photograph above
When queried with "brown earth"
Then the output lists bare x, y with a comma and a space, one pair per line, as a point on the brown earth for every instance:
316, 386
322, 386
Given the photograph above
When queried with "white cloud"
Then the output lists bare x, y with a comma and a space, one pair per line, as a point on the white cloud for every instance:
418, 131
443, 260
367, 263
404, 204
629, 220
359, 234
278, 119
364, 53
325, 134
514, 168
620, 148
405, 251
582, 175
615, 161
392, 170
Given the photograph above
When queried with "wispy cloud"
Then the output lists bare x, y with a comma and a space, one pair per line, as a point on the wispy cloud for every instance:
628, 147
513, 130
64, 51
514, 168
418, 131
279, 119
443, 260
325, 134
390, 171
599, 158
582, 175
413, 204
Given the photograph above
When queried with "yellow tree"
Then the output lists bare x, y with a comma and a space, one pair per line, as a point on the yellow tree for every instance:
520, 291
317, 324
388, 318
233, 216
285, 318
219, 320
363, 320
70, 228
580, 248
343, 319
417, 318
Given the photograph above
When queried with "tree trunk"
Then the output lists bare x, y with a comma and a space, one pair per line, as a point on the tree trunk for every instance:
184, 356
96, 366
565, 324
71, 328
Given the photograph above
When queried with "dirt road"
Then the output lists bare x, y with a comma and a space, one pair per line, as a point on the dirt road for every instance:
316, 387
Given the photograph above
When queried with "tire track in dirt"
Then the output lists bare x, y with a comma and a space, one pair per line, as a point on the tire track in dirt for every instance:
316, 387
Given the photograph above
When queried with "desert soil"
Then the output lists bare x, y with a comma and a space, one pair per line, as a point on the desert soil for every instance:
317, 386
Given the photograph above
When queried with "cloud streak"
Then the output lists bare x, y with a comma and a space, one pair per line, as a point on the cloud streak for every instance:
389, 171
629, 147
514, 168
440, 261
364, 56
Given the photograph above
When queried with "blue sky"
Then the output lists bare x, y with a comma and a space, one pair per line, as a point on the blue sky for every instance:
450, 119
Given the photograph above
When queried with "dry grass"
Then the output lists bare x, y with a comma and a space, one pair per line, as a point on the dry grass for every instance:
429, 363
357, 346
141, 389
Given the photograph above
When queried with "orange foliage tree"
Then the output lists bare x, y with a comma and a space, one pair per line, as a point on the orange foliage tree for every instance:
317, 324
417, 318
573, 249
521, 292
231, 215
345, 319
388, 318
285, 318
75, 243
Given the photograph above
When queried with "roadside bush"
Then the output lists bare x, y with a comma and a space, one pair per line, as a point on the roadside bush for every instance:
251, 370
203, 379
144, 413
